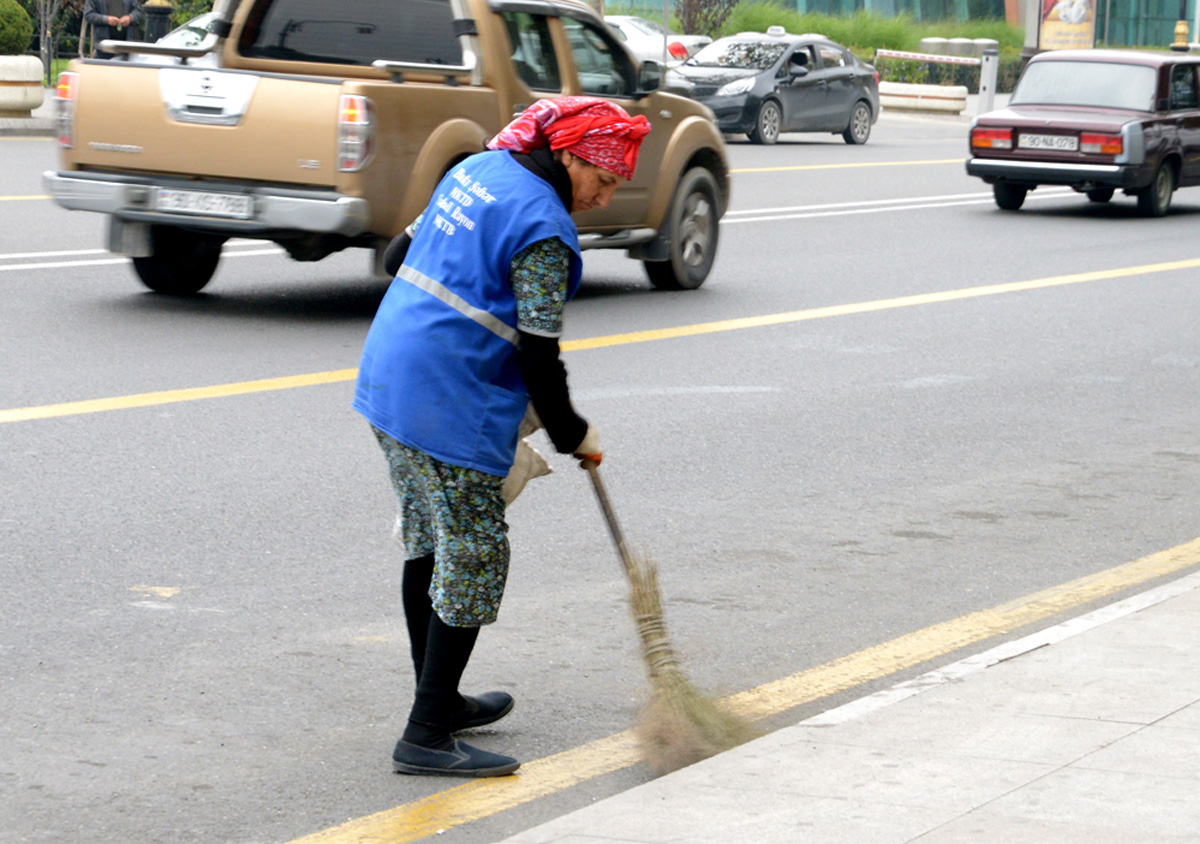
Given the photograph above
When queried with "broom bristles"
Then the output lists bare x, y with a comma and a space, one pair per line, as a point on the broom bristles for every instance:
679, 725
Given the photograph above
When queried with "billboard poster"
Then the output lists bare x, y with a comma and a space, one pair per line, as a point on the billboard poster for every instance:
1068, 25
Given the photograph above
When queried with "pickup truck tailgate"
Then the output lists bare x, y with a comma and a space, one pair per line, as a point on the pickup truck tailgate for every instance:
217, 124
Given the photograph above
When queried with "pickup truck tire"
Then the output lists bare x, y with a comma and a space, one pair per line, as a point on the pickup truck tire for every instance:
182, 262
692, 229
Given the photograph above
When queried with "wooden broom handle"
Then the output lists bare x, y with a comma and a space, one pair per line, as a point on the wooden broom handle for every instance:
593, 470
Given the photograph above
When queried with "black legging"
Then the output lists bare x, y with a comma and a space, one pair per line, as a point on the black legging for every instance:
440, 654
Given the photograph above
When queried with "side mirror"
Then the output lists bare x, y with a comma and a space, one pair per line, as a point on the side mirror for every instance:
650, 77
797, 71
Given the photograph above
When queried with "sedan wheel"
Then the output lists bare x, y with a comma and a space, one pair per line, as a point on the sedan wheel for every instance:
860, 124
766, 128
1008, 196
1155, 198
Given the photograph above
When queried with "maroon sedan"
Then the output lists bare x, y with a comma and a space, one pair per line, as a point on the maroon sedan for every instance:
1099, 121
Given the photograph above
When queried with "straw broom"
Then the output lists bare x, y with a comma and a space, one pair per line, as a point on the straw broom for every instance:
679, 725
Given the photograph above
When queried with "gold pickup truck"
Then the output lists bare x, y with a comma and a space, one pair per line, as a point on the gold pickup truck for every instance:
321, 126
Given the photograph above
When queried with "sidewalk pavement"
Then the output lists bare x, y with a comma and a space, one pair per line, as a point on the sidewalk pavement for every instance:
1084, 733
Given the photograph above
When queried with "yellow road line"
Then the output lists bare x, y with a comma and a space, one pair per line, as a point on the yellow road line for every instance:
846, 166
870, 307
24, 414
20, 198
76, 408
483, 798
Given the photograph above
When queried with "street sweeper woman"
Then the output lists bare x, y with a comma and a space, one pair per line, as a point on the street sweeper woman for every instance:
465, 339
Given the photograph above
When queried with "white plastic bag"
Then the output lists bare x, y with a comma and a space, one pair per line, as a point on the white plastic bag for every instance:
528, 462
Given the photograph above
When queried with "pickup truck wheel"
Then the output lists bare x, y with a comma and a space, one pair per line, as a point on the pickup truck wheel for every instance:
767, 126
1100, 194
860, 124
1154, 199
692, 228
1009, 197
182, 262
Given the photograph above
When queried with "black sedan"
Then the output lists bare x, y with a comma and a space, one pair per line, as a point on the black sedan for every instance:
763, 84
1098, 121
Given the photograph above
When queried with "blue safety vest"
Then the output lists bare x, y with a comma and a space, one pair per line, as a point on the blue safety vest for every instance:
439, 368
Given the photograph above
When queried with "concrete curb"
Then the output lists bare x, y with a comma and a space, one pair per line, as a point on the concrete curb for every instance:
40, 124
26, 127
905, 96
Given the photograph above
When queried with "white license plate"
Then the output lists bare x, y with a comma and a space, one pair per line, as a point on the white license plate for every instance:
1069, 143
234, 205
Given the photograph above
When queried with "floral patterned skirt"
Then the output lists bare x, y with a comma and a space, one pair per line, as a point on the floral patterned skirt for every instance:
456, 514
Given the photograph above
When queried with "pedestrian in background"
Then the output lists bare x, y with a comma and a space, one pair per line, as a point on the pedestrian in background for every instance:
111, 20
465, 340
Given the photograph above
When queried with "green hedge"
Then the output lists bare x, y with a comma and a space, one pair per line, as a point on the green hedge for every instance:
865, 31
16, 29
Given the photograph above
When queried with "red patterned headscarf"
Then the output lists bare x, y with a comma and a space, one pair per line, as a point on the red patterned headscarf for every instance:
599, 132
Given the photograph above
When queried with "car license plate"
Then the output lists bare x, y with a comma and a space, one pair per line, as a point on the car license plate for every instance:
238, 206
1069, 143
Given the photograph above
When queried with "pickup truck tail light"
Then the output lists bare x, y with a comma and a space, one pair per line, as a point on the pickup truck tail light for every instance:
65, 96
1107, 144
677, 50
991, 138
356, 132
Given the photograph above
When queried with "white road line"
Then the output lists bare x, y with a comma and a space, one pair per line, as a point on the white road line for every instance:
21, 256
48, 265
14, 256
842, 211
872, 202
758, 215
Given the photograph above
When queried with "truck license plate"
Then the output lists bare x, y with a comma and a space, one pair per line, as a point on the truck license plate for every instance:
1061, 142
238, 206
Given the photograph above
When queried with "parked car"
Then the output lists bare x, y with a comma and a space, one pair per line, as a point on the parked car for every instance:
1098, 121
644, 38
762, 84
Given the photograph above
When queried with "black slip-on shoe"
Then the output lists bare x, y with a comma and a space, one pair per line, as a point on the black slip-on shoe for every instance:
460, 760
488, 708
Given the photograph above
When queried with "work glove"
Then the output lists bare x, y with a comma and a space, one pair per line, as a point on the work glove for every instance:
528, 462
589, 450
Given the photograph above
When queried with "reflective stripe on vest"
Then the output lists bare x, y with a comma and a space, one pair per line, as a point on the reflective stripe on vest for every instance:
443, 294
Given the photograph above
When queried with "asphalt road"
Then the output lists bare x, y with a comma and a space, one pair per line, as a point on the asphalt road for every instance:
202, 637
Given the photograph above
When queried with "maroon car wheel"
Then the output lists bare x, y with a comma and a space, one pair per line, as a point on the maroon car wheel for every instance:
1155, 198
1009, 197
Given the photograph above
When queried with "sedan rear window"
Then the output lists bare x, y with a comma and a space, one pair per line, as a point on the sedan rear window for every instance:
1087, 84
758, 55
